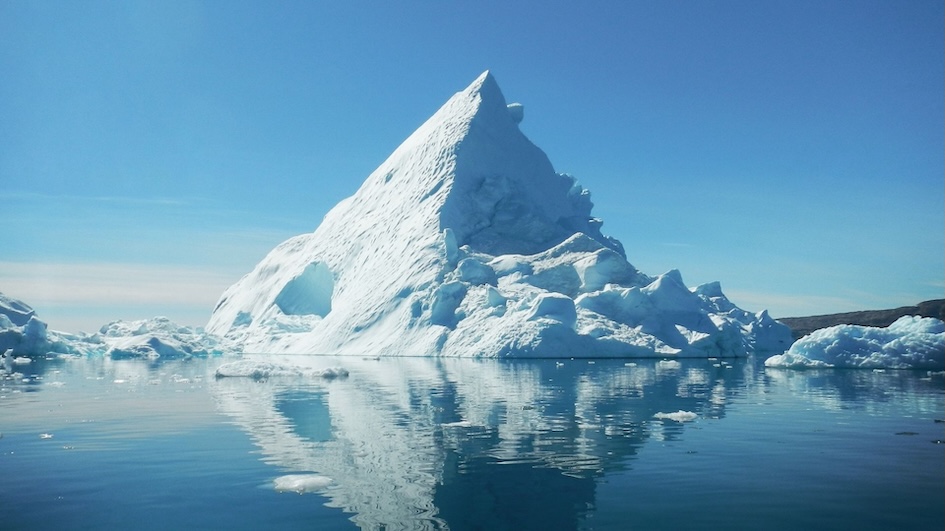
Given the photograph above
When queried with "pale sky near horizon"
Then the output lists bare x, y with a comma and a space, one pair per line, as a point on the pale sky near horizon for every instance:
151, 153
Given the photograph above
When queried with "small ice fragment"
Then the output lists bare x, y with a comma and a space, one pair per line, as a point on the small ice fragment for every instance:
668, 364
457, 424
301, 483
45, 436
260, 370
679, 416
22, 361
120, 381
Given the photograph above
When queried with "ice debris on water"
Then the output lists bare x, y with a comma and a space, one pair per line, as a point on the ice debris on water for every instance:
678, 416
260, 370
301, 483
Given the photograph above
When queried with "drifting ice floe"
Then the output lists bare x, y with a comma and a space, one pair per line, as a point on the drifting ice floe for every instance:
678, 416
301, 483
261, 370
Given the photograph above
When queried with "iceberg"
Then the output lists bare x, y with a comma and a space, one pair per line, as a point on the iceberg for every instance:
24, 335
467, 242
909, 343
154, 338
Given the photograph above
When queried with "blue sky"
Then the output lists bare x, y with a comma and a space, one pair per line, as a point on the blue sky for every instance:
152, 152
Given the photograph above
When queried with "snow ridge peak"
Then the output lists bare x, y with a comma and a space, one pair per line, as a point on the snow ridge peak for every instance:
466, 242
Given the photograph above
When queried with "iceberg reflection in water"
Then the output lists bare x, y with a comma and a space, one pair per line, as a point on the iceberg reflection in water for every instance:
422, 443
433, 443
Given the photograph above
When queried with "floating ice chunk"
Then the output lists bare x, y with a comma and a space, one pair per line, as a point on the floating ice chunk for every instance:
301, 483
45, 436
789, 360
458, 424
260, 370
909, 343
679, 416
668, 364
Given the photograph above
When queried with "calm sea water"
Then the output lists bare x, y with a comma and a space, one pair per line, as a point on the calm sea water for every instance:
457, 444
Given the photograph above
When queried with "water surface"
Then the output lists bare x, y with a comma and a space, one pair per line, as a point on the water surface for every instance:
419, 443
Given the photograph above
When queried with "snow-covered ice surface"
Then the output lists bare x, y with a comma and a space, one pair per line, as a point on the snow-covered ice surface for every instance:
466, 242
909, 343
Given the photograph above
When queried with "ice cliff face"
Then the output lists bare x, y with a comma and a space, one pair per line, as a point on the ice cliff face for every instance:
465, 242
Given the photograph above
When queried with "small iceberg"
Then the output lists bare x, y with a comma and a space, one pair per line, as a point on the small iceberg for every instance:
909, 343
679, 416
301, 483
261, 370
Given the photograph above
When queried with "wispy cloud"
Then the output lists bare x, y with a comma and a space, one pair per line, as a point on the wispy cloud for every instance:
125, 200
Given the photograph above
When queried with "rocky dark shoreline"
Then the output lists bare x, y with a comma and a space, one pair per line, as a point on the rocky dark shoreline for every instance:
801, 326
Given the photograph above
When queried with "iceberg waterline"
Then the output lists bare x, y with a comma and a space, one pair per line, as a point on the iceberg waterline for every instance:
466, 242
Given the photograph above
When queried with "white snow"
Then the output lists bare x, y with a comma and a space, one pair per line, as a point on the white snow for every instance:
301, 483
678, 416
466, 242
909, 343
